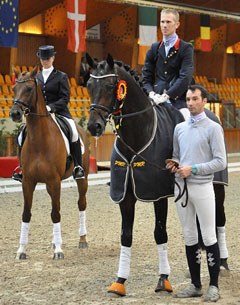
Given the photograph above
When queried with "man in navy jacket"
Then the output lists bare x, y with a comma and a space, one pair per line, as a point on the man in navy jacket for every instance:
168, 67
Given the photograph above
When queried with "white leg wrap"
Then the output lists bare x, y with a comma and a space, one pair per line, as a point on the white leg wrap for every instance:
24, 233
57, 237
221, 237
164, 267
124, 262
82, 223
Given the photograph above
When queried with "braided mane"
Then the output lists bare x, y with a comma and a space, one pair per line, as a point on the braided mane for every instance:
132, 72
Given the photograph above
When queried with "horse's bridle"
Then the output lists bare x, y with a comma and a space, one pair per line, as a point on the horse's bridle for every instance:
114, 105
27, 110
114, 110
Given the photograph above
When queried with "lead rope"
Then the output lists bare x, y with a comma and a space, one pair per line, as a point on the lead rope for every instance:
180, 194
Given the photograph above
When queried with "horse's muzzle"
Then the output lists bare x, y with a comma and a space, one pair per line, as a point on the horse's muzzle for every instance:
96, 129
16, 115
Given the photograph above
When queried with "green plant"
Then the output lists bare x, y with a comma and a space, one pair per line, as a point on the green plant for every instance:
82, 121
4, 135
3, 139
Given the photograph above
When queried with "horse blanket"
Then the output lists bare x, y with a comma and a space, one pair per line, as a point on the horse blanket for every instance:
146, 169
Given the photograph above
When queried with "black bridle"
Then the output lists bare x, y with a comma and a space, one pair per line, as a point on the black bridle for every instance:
113, 110
27, 110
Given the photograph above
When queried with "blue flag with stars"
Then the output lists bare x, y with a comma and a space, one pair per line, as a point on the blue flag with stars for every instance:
8, 23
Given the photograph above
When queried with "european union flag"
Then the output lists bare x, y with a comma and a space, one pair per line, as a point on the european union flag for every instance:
8, 23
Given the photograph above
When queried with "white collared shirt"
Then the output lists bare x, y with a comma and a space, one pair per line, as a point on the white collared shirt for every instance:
46, 73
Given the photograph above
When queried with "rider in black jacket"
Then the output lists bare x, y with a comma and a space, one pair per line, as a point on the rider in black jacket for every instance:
56, 92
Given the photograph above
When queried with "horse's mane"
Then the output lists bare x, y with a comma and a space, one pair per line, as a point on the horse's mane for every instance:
130, 71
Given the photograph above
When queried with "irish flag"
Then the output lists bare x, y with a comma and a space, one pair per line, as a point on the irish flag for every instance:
147, 30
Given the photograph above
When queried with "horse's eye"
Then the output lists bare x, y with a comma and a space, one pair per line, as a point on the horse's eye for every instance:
29, 89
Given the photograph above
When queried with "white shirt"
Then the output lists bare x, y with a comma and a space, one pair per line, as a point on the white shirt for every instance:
46, 73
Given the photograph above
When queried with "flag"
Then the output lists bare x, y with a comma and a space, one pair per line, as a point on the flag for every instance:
147, 30
205, 33
9, 23
76, 24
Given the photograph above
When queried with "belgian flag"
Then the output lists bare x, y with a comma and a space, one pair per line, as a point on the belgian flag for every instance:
205, 33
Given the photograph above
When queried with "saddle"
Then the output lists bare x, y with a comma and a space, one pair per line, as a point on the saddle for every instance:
65, 127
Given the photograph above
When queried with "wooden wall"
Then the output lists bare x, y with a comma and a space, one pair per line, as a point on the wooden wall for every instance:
232, 138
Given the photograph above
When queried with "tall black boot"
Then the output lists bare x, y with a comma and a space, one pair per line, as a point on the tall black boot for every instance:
78, 172
17, 172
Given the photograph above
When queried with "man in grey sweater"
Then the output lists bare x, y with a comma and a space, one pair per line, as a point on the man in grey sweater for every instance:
198, 152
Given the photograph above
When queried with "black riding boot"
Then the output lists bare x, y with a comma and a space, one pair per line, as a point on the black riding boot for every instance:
78, 172
17, 173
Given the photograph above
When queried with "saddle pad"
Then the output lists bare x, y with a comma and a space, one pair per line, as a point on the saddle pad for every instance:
66, 141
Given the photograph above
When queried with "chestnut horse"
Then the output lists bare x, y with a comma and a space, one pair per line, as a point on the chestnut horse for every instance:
44, 159
144, 140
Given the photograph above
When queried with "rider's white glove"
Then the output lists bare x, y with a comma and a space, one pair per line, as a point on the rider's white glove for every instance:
48, 108
157, 98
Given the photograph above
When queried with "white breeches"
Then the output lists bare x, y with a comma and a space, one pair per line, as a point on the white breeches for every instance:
74, 129
201, 201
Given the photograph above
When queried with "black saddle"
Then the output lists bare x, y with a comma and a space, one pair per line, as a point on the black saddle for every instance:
65, 127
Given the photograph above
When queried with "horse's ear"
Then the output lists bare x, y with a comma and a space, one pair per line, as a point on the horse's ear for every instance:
34, 71
15, 71
90, 61
110, 61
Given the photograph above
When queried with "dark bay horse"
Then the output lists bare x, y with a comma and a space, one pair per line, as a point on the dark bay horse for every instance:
144, 140
44, 159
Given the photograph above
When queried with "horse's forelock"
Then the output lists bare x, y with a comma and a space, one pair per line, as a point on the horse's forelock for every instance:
102, 68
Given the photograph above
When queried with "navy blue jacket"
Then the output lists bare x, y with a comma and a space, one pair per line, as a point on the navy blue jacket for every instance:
172, 73
56, 92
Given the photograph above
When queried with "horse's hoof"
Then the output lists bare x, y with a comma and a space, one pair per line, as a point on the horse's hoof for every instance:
21, 256
224, 272
118, 289
58, 255
83, 245
164, 285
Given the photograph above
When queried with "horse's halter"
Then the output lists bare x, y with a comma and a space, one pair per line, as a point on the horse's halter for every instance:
27, 109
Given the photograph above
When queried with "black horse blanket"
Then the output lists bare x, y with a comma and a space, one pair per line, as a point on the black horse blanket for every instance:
150, 180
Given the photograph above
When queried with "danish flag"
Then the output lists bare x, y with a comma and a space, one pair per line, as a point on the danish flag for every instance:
76, 23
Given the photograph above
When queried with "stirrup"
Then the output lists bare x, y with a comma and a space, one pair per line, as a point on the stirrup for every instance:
17, 174
78, 172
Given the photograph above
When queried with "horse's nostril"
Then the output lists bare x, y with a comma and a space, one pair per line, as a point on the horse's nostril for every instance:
16, 115
95, 129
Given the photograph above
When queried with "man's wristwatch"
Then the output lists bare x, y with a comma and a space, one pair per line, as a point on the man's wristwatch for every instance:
194, 169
